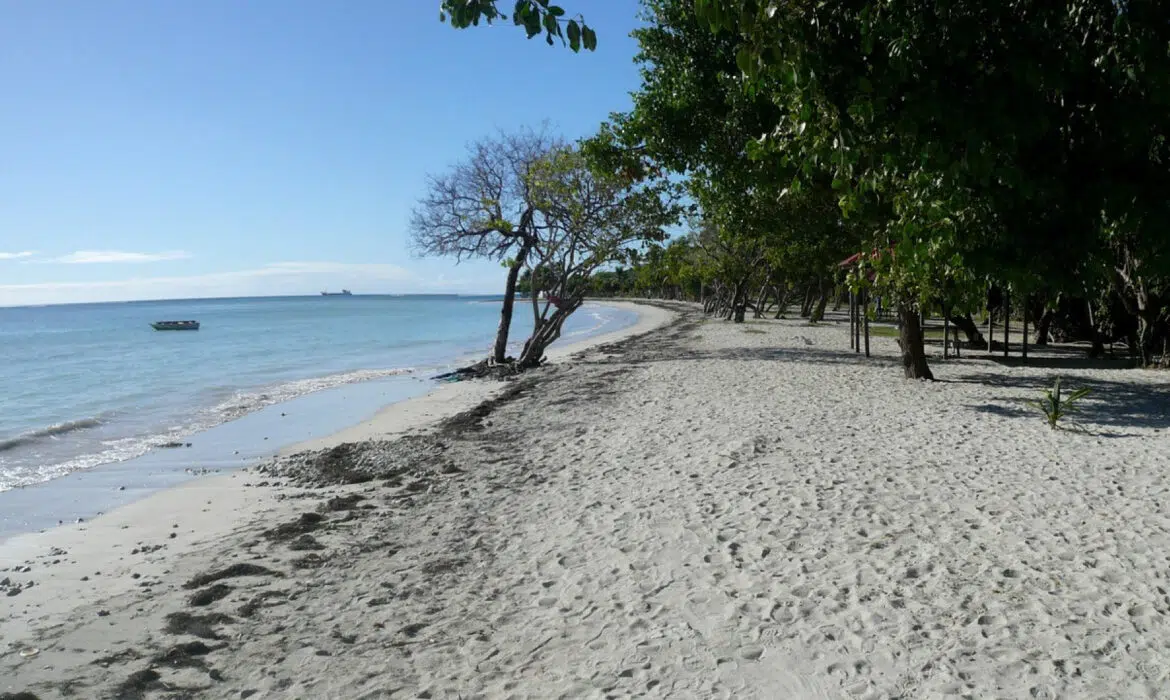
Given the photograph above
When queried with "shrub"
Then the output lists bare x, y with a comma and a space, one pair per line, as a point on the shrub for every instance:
1058, 405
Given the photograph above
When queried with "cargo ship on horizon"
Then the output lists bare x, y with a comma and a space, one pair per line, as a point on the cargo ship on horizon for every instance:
342, 293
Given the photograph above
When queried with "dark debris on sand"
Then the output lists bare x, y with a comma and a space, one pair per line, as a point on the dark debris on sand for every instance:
306, 523
196, 625
484, 369
209, 595
138, 684
233, 571
258, 601
305, 543
187, 655
391, 461
408, 459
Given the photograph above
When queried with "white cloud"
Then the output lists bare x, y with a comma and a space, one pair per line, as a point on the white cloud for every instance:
86, 257
17, 256
274, 279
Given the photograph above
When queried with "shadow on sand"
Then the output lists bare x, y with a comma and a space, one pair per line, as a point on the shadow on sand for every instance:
1110, 403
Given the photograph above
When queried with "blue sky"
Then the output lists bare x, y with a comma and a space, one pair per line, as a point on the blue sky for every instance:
222, 148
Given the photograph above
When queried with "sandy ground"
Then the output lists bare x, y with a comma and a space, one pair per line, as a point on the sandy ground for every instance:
707, 510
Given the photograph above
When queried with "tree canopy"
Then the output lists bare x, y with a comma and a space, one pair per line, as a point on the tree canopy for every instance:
1022, 143
956, 153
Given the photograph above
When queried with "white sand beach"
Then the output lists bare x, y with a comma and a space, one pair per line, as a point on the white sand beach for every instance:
705, 510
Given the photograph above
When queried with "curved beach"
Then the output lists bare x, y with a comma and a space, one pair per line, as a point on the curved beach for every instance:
699, 510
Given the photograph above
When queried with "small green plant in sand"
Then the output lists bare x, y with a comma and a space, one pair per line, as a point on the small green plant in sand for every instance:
1058, 405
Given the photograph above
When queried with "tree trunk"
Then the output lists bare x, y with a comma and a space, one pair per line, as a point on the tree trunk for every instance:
1149, 310
761, 299
500, 350
1144, 304
1042, 325
853, 321
865, 320
818, 311
739, 303
1097, 348
967, 324
946, 335
546, 332
1147, 337
910, 338
1007, 319
806, 307
782, 299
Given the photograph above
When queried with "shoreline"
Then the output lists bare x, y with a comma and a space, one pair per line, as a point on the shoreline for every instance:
704, 510
77, 441
455, 397
128, 550
258, 435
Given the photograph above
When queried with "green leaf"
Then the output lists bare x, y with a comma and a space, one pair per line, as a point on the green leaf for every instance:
744, 60
532, 24
588, 38
574, 32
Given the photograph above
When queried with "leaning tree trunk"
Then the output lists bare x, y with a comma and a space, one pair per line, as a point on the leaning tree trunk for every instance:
500, 351
545, 334
965, 323
910, 338
761, 299
783, 298
807, 306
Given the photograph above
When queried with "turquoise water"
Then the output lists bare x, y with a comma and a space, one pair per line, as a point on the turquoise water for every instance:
86, 385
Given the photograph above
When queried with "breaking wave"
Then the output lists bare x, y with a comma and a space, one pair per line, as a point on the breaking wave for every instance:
48, 433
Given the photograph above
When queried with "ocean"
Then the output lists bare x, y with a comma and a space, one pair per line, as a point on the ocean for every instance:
93, 384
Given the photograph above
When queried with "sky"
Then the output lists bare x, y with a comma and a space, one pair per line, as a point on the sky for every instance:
202, 148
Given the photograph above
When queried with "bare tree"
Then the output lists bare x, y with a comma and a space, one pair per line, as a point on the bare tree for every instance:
485, 207
592, 220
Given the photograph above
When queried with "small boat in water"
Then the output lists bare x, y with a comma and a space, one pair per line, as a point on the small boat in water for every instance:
342, 293
175, 325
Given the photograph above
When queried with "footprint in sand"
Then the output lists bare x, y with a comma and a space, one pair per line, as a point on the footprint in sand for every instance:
751, 653
783, 614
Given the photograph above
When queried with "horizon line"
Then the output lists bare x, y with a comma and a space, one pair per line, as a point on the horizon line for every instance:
229, 298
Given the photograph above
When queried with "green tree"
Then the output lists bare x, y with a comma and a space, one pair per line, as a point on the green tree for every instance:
694, 117
593, 219
1007, 138
536, 16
